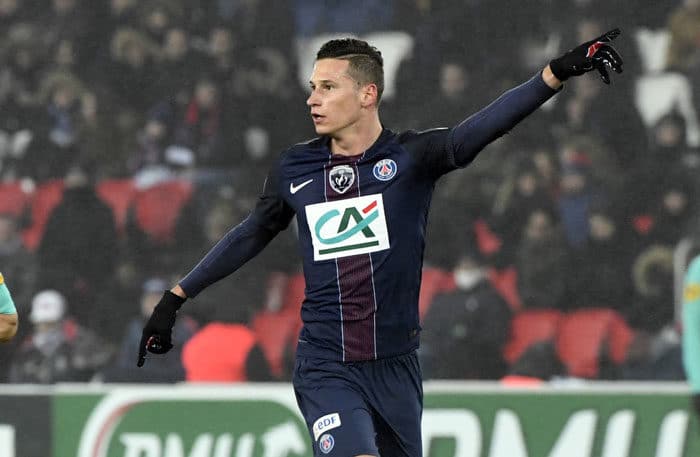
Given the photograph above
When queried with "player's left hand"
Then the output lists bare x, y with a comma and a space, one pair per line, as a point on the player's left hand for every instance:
597, 54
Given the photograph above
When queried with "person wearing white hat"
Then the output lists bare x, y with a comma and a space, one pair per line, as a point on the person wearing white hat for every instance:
58, 349
8, 313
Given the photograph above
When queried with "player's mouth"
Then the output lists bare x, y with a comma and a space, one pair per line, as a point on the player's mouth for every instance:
317, 118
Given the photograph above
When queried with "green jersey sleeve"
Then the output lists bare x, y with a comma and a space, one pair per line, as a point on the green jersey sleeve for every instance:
7, 306
691, 324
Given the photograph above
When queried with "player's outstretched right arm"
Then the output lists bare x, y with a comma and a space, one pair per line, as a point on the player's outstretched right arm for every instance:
270, 216
8, 313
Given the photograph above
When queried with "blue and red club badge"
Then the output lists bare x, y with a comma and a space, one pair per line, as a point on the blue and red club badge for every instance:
326, 443
385, 169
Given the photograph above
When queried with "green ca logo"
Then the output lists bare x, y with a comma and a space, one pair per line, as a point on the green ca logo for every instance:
362, 220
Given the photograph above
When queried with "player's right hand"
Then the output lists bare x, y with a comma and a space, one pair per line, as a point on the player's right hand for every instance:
157, 333
596, 54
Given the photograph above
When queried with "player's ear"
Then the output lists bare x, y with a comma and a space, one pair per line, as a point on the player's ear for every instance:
368, 95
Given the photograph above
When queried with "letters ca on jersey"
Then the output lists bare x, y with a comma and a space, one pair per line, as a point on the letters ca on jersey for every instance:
348, 227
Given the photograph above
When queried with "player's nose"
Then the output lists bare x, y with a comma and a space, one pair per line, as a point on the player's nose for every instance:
313, 99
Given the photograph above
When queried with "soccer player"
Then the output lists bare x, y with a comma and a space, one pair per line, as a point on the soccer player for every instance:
691, 330
361, 193
8, 313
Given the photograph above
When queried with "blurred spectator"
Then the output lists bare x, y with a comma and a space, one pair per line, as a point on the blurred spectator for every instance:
652, 272
576, 194
62, 113
129, 70
464, 331
97, 140
69, 20
539, 363
540, 261
175, 66
10, 12
456, 98
203, 126
457, 190
77, 253
152, 140
20, 125
653, 357
668, 148
547, 170
167, 368
254, 19
601, 272
157, 16
58, 349
673, 210
315, 17
220, 57
17, 263
684, 27
519, 195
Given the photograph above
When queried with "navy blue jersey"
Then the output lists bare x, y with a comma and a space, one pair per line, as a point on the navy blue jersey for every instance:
362, 222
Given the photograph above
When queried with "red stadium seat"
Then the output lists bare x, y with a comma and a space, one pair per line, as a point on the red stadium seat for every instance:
529, 327
505, 281
487, 241
46, 197
294, 294
277, 331
157, 208
434, 281
585, 333
13, 200
118, 194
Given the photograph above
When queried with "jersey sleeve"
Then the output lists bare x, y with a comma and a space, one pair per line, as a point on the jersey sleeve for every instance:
691, 325
448, 149
270, 216
7, 306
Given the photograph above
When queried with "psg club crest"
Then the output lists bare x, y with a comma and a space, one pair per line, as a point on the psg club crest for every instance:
341, 177
326, 443
385, 169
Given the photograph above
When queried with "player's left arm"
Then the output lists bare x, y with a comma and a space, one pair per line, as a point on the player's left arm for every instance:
473, 134
8, 313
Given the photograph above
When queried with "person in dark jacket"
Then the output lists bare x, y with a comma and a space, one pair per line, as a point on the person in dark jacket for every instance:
77, 252
464, 330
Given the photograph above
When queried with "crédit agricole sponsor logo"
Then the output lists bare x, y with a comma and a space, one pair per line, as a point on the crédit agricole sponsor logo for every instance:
348, 227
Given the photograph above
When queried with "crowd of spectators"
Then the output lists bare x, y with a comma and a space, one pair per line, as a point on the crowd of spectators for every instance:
134, 134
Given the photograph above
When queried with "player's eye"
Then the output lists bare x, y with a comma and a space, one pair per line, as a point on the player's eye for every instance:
327, 87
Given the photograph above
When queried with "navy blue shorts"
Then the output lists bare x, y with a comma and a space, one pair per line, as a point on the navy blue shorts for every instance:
360, 408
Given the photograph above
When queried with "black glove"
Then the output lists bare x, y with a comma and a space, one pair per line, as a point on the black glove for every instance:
157, 332
594, 54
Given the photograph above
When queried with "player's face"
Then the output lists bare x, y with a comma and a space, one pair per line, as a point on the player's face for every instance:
335, 99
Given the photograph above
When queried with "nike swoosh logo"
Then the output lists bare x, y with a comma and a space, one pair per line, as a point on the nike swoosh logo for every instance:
294, 189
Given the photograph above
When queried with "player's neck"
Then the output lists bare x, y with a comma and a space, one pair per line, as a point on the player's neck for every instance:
357, 138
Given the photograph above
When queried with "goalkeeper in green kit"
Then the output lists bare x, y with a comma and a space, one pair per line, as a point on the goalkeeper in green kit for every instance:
8, 313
